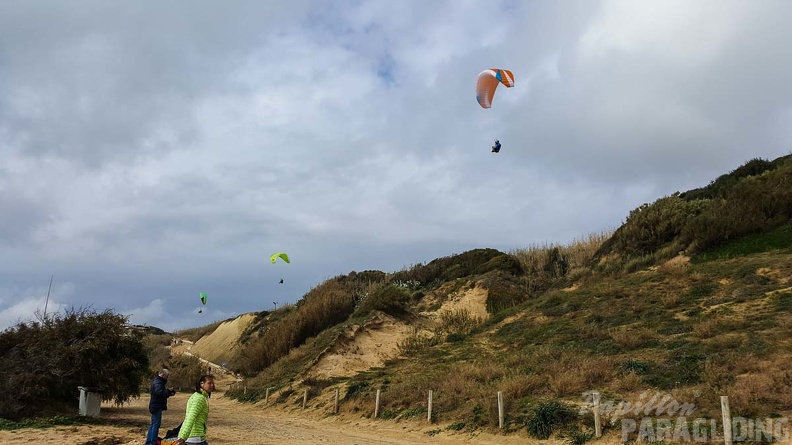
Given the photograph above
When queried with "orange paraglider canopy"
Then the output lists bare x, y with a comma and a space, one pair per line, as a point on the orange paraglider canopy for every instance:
488, 81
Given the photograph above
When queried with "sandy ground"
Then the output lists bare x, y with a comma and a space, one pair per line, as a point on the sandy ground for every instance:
223, 342
231, 422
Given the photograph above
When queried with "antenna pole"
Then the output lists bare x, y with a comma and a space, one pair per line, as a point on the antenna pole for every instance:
47, 302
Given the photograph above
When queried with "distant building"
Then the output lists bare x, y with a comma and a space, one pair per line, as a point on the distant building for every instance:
144, 329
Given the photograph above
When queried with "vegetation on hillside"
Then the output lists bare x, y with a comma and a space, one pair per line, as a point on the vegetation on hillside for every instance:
620, 313
754, 198
45, 361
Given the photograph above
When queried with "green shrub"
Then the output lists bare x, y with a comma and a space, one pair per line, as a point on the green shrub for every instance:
549, 417
44, 362
753, 198
185, 371
649, 227
356, 389
503, 291
575, 436
455, 337
702, 290
634, 366
504, 263
476, 261
389, 299
780, 238
456, 426
753, 205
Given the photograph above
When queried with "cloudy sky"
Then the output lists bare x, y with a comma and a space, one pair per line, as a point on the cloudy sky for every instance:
152, 150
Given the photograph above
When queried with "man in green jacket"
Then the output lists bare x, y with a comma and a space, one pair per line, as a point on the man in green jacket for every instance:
193, 430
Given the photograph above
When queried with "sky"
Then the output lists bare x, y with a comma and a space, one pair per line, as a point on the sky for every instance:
153, 150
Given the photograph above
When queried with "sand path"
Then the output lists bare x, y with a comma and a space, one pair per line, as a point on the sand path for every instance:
231, 422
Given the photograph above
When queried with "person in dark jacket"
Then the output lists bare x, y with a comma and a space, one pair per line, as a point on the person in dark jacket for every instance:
158, 403
496, 147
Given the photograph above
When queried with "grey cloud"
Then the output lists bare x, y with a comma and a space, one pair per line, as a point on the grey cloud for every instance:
155, 150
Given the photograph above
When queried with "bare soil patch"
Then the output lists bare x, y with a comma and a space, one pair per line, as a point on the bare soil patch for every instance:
221, 344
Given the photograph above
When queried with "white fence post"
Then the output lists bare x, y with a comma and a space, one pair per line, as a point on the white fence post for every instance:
335, 403
376, 405
727, 421
305, 397
500, 409
429, 408
597, 421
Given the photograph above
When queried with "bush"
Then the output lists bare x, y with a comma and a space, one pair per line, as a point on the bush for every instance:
390, 299
505, 263
634, 366
650, 227
719, 187
44, 362
503, 291
751, 199
756, 204
472, 262
574, 436
156, 347
548, 417
185, 372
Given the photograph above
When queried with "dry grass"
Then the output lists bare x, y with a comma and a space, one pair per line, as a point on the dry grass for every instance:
418, 340
756, 387
670, 300
630, 338
718, 325
784, 322
752, 395
578, 253
523, 385
458, 321
629, 382
572, 375
323, 307
677, 266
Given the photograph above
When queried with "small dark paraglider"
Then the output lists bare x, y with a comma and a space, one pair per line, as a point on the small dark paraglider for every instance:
281, 281
496, 148
202, 296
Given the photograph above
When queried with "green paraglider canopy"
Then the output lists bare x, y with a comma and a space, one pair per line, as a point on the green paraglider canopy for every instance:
203, 297
282, 256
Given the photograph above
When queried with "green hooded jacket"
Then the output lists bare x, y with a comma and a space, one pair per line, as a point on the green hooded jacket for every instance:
195, 417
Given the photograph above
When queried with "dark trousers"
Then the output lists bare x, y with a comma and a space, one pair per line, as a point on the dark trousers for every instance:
153, 431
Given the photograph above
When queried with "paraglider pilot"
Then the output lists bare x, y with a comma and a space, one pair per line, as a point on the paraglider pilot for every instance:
496, 147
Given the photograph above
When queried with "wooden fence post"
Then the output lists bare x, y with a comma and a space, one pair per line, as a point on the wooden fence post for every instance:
266, 396
500, 409
595, 397
335, 403
727, 421
429, 408
305, 397
376, 405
